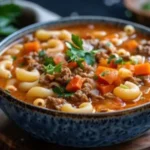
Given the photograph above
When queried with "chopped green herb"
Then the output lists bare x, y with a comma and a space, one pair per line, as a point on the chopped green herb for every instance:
21, 64
111, 57
51, 69
124, 86
95, 77
77, 41
104, 73
14, 58
42, 53
61, 92
118, 60
48, 60
77, 54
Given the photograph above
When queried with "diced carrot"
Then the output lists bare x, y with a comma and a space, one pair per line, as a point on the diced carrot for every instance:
105, 88
131, 45
31, 46
107, 74
75, 84
72, 64
127, 66
112, 64
103, 62
142, 69
118, 81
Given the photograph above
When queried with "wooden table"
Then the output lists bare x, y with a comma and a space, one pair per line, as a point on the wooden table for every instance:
14, 138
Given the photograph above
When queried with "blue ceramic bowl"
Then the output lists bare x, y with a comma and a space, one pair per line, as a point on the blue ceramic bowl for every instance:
77, 130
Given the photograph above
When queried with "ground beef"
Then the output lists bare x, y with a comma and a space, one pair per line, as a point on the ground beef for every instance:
84, 95
36, 65
135, 80
95, 97
79, 96
46, 79
109, 95
64, 76
101, 55
87, 71
54, 102
88, 85
108, 46
144, 48
146, 80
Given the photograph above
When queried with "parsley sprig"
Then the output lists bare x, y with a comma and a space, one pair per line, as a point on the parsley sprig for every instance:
49, 65
61, 92
76, 52
51, 69
8, 18
117, 60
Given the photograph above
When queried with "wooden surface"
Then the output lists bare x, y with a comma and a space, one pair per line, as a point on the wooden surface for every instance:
14, 138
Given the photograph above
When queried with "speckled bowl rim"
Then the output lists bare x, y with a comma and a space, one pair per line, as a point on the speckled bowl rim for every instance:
65, 22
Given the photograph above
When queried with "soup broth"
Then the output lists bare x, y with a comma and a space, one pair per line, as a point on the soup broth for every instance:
80, 69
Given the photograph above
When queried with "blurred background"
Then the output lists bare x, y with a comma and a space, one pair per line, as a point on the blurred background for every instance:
16, 14
114, 8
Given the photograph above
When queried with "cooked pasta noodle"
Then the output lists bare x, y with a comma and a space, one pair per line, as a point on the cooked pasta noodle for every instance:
27, 76
83, 108
5, 67
39, 92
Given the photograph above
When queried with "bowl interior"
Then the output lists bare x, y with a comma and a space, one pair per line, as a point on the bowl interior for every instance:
65, 23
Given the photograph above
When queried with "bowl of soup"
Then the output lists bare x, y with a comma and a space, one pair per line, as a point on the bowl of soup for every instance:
81, 81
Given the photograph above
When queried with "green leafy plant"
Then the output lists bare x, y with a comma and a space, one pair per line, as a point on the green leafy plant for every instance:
77, 54
61, 92
8, 18
117, 60
146, 6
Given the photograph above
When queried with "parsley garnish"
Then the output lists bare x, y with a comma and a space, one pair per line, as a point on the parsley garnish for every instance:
8, 18
117, 60
104, 73
42, 53
77, 41
21, 64
14, 58
49, 60
76, 52
61, 92
51, 69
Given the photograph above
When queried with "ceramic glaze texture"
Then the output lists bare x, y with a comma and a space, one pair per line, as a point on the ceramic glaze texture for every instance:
78, 130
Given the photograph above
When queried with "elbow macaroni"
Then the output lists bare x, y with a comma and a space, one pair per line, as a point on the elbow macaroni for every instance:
39, 102
27, 76
128, 92
55, 46
83, 108
5, 65
26, 86
39, 92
